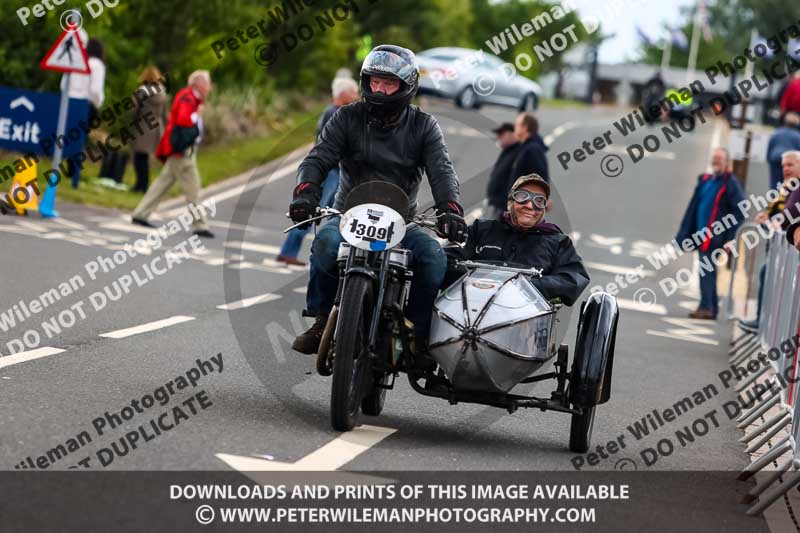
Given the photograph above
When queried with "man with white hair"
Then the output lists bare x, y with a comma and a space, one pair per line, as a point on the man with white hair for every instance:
791, 212
344, 91
774, 215
178, 150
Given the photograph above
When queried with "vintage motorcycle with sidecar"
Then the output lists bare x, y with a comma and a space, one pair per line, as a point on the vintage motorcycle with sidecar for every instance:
491, 330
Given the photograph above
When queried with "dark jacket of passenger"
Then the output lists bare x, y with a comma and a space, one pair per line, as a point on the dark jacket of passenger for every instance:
543, 246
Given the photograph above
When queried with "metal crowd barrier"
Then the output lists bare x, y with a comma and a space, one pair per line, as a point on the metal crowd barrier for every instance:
777, 392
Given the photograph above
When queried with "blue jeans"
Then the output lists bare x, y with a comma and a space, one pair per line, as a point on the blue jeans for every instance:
708, 285
294, 240
429, 264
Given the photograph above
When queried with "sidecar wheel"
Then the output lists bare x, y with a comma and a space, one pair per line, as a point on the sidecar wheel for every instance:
351, 366
580, 430
373, 403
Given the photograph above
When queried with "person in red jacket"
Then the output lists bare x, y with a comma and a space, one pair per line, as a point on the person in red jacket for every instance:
178, 150
791, 96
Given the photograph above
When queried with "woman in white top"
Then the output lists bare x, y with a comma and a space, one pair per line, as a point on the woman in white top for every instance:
88, 87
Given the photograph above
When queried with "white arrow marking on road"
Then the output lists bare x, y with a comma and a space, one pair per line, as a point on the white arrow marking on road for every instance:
612, 243
614, 149
633, 305
254, 247
249, 302
557, 132
150, 326
330, 457
689, 330
614, 269
22, 101
30, 355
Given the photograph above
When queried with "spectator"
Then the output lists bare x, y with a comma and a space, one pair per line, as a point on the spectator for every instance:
790, 101
344, 91
785, 139
89, 87
790, 162
501, 178
714, 199
178, 150
791, 212
531, 155
154, 105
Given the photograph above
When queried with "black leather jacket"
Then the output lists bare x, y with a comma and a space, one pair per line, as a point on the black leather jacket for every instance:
398, 154
544, 246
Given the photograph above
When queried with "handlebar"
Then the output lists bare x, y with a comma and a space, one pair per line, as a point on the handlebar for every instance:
320, 213
476, 264
424, 221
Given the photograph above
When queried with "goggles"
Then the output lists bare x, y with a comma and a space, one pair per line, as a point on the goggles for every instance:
523, 197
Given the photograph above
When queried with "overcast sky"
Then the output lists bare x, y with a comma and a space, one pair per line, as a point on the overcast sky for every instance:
650, 15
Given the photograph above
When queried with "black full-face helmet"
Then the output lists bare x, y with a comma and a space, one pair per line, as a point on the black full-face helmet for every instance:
393, 61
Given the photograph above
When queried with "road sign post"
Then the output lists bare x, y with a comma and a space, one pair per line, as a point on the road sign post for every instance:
68, 55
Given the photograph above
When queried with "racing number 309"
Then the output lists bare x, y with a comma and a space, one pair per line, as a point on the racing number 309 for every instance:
370, 232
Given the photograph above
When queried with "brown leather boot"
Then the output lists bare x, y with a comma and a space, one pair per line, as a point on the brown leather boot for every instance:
703, 314
308, 342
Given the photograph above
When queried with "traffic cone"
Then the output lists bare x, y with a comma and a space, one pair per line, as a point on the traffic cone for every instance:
22, 196
47, 207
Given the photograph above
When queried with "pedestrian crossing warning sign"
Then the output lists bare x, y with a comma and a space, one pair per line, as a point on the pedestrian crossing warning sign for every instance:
67, 55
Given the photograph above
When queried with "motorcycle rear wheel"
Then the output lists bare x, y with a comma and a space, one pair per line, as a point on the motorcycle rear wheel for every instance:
351, 366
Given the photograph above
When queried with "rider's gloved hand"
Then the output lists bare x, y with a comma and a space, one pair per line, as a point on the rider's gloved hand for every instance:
305, 201
450, 222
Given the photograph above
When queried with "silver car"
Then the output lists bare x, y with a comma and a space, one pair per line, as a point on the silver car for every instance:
473, 77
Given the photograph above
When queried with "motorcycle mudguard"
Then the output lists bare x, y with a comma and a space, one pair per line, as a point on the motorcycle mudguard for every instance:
590, 382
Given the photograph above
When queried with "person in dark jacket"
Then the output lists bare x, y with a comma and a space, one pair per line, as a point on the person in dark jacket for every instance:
344, 91
531, 154
523, 237
713, 206
785, 139
381, 138
500, 179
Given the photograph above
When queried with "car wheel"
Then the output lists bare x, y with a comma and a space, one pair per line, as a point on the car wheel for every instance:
530, 102
467, 99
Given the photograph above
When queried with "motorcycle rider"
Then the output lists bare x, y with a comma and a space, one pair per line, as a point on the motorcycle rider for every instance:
523, 237
385, 138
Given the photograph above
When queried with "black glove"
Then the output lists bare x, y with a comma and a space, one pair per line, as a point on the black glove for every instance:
450, 223
305, 203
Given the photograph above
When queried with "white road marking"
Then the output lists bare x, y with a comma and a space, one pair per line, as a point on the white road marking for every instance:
150, 326
614, 269
689, 330
69, 224
558, 131
248, 302
612, 243
661, 154
30, 355
254, 247
330, 457
633, 305
262, 268
130, 228
300, 290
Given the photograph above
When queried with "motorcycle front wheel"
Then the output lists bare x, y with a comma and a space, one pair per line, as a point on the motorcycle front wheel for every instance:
351, 366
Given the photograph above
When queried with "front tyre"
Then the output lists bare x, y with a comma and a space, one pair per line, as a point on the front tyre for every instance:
350, 362
373, 403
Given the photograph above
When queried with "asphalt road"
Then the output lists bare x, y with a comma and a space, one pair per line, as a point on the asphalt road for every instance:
268, 407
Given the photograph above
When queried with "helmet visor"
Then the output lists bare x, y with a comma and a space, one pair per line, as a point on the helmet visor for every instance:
383, 62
